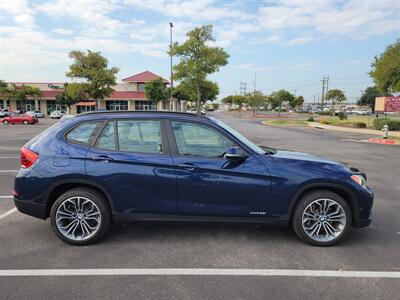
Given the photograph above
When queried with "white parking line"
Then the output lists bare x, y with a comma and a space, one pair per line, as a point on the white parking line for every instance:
7, 213
8, 171
197, 272
6, 197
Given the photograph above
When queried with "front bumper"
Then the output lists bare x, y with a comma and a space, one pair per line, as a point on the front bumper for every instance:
30, 208
364, 217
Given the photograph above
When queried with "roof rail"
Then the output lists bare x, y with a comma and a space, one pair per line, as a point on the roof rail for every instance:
139, 112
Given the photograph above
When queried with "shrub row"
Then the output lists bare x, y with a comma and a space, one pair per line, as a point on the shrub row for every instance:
393, 124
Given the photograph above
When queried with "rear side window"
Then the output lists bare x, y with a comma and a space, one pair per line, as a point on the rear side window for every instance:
83, 133
106, 139
139, 136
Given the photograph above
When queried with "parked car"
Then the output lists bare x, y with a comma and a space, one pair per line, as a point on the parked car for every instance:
194, 111
36, 113
19, 119
4, 113
96, 168
57, 114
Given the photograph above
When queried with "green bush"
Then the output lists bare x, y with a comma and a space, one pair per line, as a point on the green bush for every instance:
342, 116
393, 124
359, 125
310, 119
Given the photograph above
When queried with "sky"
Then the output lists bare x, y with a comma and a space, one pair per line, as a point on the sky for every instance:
272, 44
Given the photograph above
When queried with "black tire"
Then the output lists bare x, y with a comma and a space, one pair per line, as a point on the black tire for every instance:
26, 122
302, 205
95, 197
6, 122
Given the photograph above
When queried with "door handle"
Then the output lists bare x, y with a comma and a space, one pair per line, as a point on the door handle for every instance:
103, 158
188, 166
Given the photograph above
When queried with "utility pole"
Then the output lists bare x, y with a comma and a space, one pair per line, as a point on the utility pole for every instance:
255, 83
325, 86
171, 98
243, 88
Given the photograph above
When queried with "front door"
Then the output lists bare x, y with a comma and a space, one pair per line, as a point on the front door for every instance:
210, 185
131, 160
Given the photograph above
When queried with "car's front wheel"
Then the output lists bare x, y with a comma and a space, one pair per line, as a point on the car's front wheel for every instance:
80, 216
321, 218
5, 122
26, 122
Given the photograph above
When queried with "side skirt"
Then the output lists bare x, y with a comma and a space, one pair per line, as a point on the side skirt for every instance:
122, 218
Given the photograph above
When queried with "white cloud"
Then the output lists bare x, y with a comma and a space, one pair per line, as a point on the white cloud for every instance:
300, 40
251, 67
21, 11
25, 20
90, 12
203, 10
353, 18
63, 31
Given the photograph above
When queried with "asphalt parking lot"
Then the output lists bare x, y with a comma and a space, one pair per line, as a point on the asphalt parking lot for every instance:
29, 244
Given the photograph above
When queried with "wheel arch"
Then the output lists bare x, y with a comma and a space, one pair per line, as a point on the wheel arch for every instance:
339, 189
65, 185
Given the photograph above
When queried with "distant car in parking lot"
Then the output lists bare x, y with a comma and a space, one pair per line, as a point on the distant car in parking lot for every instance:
36, 113
96, 168
4, 113
194, 111
57, 114
19, 119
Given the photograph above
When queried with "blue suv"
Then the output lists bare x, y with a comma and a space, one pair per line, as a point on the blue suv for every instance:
93, 169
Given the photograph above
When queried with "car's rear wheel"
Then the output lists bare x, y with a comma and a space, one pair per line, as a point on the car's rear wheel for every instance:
26, 122
321, 218
80, 216
5, 122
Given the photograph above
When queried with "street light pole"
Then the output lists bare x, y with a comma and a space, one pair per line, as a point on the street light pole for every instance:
170, 54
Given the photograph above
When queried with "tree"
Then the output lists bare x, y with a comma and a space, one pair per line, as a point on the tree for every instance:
278, 98
335, 96
93, 68
208, 90
156, 90
198, 59
296, 102
228, 100
239, 100
255, 100
72, 94
386, 69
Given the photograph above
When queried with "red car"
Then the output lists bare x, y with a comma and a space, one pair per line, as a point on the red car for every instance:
19, 119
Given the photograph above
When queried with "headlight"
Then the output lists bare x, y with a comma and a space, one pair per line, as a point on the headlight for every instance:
359, 179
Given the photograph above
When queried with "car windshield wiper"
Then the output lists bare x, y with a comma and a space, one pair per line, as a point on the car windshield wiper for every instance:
268, 150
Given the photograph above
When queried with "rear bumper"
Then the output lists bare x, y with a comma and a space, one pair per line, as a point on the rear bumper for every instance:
30, 208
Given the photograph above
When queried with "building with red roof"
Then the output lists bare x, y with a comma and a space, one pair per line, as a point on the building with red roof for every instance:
127, 95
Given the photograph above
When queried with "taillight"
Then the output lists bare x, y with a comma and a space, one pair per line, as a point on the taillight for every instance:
28, 158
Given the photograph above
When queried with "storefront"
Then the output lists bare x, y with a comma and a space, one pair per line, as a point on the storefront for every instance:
127, 95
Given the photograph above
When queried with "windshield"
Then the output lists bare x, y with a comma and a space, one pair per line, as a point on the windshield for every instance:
236, 134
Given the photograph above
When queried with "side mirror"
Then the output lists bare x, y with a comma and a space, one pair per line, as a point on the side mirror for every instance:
234, 153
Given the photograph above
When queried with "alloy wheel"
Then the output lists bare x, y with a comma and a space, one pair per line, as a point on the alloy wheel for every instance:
323, 220
78, 218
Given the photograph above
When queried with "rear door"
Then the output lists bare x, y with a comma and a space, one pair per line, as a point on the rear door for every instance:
131, 160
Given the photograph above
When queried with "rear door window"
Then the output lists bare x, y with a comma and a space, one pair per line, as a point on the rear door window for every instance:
143, 136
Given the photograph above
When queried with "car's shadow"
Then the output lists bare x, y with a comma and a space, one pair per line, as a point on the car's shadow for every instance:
184, 232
